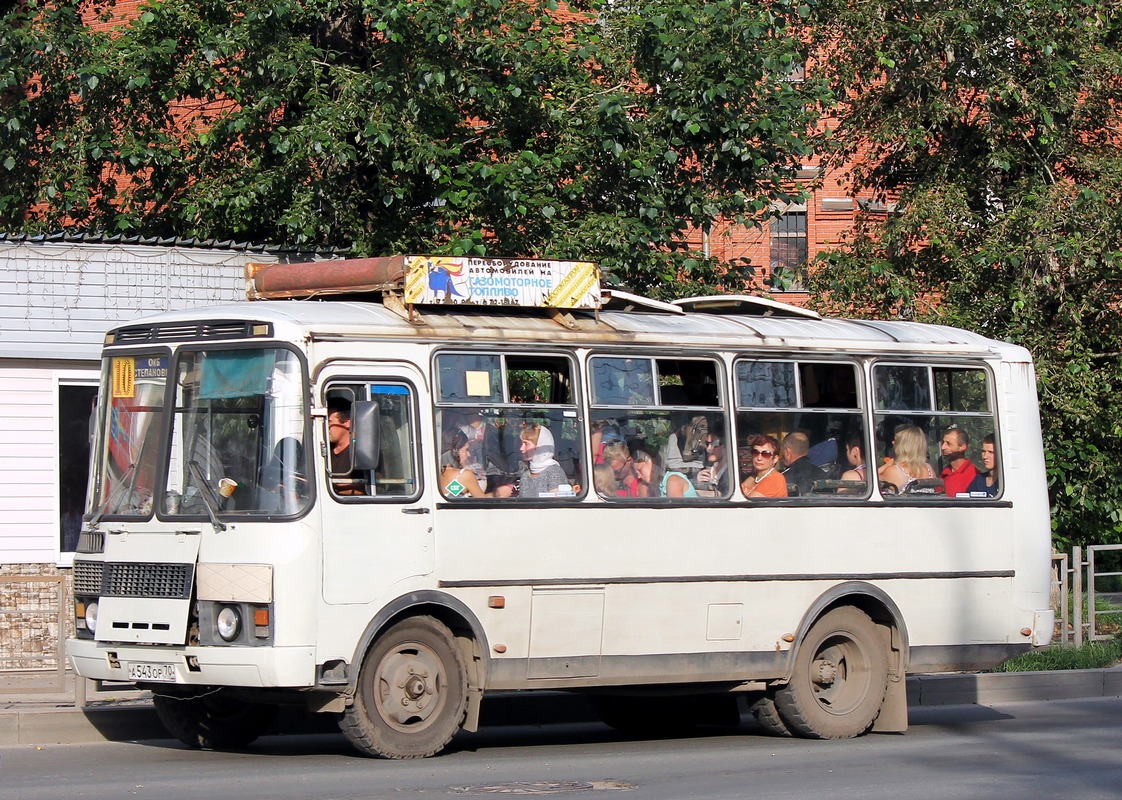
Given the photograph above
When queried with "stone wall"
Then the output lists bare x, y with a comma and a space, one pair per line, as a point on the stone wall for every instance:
31, 596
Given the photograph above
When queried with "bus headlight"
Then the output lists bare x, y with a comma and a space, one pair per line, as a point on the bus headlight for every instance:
90, 616
229, 623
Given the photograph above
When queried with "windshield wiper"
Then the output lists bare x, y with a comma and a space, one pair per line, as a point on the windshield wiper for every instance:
210, 498
114, 496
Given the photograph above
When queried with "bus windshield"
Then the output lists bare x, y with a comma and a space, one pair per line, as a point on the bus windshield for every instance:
237, 440
132, 407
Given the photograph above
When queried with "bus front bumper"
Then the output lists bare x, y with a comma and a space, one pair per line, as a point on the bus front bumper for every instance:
274, 667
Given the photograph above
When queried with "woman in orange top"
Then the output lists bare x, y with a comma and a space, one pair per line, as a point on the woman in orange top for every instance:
766, 480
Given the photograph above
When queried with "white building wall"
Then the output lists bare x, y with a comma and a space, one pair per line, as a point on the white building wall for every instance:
29, 502
59, 299
56, 303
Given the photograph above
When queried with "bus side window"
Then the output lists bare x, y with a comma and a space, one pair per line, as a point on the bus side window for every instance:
486, 401
650, 427
396, 473
935, 400
814, 410
391, 472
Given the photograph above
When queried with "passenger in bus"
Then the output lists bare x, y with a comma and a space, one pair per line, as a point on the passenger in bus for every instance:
797, 468
457, 478
344, 479
604, 480
959, 471
542, 475
602, 433
659, 482
713, 481
617, 455
909, 463
985, 483
766, 480
685, 449
855, 455
482, 439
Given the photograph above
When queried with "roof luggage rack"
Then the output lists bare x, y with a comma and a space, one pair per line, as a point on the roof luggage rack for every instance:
435, 281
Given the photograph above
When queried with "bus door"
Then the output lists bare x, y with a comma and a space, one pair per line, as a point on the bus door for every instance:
377, 512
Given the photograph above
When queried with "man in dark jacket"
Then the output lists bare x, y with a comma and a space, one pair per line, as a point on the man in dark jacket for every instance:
798, 470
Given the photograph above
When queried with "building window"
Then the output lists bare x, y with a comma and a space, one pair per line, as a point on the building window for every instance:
789, 251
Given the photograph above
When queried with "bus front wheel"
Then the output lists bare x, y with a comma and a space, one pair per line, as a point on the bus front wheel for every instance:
840, 678
411, 697
212, 720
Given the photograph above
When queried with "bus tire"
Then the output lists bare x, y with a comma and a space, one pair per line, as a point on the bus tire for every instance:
213, 720
768, 717
411, 697
840, 678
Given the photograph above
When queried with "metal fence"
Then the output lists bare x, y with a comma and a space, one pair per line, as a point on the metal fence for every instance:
1077, 587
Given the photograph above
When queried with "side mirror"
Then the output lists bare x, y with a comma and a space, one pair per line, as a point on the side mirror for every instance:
366, 444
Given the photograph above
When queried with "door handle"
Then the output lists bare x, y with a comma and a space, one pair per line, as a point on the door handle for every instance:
415, 510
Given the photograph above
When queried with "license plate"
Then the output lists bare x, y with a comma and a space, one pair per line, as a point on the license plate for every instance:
162, 673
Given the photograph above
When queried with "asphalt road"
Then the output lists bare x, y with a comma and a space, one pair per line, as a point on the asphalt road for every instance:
1067, 750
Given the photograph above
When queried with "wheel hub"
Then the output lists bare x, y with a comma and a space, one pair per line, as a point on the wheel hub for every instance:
410, 686
824, 672
415, 688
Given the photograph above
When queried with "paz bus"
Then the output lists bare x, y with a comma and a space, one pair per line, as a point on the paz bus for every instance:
388, 487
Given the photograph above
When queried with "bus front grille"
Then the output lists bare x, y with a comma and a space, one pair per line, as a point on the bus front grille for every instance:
167, 581
87, 578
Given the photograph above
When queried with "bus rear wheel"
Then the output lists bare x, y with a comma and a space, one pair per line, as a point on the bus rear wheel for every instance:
411, 697
768, 716
212, 720
840, 678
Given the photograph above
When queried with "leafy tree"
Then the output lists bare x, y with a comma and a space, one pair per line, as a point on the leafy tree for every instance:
501, 127
995, 127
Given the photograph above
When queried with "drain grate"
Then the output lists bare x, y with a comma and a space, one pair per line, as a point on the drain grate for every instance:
546, 787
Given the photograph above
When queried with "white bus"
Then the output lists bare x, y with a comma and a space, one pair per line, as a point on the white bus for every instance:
386, 510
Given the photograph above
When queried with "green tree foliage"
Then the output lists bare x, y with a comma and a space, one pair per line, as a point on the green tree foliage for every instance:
996, 126
500, 127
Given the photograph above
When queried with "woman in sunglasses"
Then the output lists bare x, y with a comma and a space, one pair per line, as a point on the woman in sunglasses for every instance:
766, 480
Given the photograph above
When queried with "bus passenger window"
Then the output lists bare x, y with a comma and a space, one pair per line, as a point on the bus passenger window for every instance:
658, 427
812, 410
511, 431
942, 419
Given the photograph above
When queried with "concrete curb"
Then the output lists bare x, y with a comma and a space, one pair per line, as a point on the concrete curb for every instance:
134, 719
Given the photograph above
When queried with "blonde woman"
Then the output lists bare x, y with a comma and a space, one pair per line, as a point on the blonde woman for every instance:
910, 463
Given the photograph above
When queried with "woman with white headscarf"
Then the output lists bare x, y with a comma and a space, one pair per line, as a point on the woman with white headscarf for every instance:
543, 475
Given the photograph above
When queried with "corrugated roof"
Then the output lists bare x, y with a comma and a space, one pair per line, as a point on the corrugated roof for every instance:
75, 237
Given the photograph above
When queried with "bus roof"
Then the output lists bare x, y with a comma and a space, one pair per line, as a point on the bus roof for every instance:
317, 319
